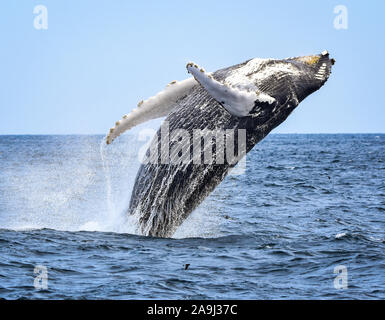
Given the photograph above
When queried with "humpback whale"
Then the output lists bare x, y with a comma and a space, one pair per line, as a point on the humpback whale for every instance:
233, 108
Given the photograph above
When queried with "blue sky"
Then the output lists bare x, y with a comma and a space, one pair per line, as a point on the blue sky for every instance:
99, 58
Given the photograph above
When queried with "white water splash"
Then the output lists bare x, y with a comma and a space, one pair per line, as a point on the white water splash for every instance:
115, 218
80, 184
106, 168
340, 235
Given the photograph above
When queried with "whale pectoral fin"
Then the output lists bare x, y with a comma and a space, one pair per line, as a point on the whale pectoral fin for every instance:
155, 107
236, 101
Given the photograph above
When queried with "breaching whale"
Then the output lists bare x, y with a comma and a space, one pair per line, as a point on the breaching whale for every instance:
234, 108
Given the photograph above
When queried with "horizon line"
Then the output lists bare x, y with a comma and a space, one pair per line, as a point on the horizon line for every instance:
101, 134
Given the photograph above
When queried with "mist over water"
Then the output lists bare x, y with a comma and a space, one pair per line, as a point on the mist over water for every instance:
71, 183
306, 204
58, 182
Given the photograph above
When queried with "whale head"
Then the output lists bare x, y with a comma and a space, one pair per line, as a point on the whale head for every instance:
313, 72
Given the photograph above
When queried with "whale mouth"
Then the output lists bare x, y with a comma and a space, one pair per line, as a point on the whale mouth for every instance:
316, 70
323, 66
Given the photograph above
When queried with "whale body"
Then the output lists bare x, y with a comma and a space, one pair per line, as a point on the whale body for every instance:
234, 108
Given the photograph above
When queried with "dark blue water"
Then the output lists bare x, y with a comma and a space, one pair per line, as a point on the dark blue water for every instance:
306, 204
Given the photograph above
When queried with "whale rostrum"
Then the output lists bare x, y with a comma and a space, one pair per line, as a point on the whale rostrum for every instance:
246, 100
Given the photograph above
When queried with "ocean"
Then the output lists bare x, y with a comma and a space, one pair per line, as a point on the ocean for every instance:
305, 221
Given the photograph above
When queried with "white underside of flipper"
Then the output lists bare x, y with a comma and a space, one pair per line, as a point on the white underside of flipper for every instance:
238, 102
155, 107
238, 95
